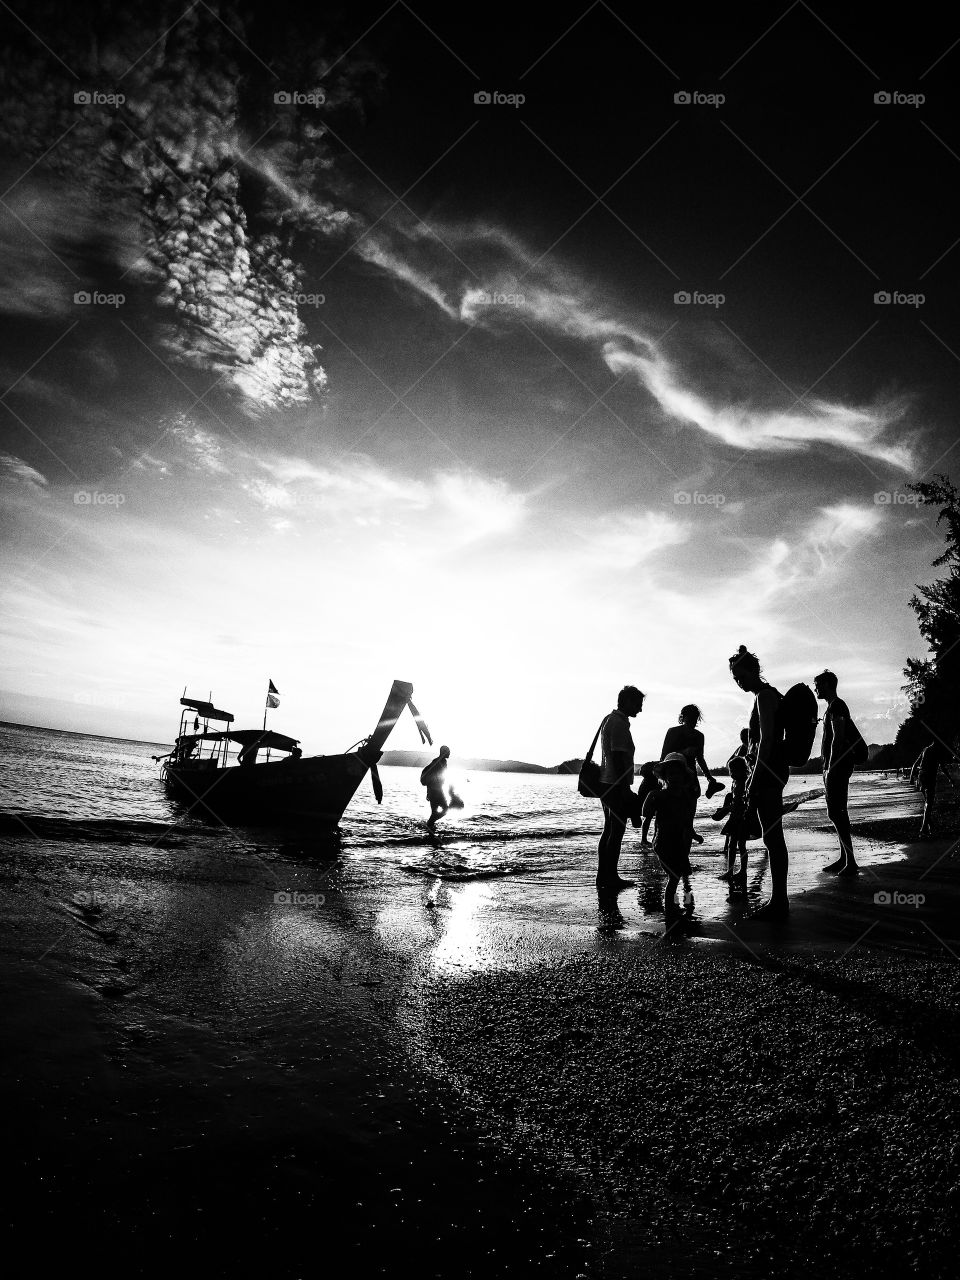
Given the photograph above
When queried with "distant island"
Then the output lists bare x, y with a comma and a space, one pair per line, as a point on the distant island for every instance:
881, 756
417, 759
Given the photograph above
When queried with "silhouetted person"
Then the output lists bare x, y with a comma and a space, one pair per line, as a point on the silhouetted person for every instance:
648, 783
744, 748
687, 739
840, 738
734, 809
768, 775
433, 777
616, 776
927, 767
673, 805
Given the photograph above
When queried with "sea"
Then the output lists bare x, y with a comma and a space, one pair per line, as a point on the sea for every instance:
102, 793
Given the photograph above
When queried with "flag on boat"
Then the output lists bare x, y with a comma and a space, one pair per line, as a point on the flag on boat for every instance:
273, 695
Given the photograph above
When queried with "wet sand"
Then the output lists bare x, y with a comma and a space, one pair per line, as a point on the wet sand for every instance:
491, 1077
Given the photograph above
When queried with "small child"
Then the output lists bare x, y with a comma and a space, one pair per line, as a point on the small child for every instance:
673, 805
734, 809
648, 783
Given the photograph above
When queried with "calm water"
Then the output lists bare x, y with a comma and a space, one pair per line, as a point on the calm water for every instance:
103, 792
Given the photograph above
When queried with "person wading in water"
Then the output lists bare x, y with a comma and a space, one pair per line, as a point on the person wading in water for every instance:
433, 778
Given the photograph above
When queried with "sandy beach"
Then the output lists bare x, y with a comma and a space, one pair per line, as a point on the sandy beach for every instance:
495, 1077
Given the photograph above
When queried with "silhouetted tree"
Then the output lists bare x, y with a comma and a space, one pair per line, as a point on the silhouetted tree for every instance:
912, 736
933, 683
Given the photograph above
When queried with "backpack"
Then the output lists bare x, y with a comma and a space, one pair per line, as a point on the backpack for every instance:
429, 773
588, 783
798, 711
859, 752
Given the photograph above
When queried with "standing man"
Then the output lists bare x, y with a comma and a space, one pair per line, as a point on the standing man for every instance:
616, 777
433, 777
771, 771
840, 750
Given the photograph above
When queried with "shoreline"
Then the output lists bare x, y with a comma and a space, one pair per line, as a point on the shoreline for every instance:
495, 1075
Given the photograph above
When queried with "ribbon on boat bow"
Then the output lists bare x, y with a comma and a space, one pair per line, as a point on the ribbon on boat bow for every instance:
377, 784
421, 723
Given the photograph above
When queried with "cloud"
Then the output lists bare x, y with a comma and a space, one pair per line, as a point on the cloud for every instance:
374, 250
445, 509
16, 471
148, 188
622, 540
725, 399
200, 449
774, 430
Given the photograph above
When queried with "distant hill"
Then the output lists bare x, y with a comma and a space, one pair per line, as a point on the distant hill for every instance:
417, 759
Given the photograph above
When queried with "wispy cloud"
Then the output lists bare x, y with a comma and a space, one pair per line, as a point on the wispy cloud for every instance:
730, 403
624, 539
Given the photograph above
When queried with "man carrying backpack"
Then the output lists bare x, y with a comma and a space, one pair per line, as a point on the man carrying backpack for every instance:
842, 749
433, 777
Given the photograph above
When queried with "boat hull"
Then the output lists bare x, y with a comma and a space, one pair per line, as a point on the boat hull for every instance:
308, 792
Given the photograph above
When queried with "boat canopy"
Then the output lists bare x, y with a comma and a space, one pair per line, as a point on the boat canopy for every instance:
246, 738
263, 738
206, 709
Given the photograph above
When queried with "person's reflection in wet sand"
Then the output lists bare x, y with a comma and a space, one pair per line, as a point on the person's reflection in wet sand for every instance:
650, 893
609, 916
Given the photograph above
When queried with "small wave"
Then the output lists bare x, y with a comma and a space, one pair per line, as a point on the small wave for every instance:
445, 871
465, 835
94, 830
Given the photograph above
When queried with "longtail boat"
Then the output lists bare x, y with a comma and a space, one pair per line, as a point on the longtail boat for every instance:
270, 780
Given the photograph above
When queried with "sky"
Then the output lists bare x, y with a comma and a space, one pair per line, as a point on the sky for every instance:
518, 354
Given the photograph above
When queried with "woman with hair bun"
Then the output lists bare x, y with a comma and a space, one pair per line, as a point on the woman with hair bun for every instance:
768, 776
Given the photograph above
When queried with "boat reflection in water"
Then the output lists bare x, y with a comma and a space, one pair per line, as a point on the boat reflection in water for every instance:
270, 781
